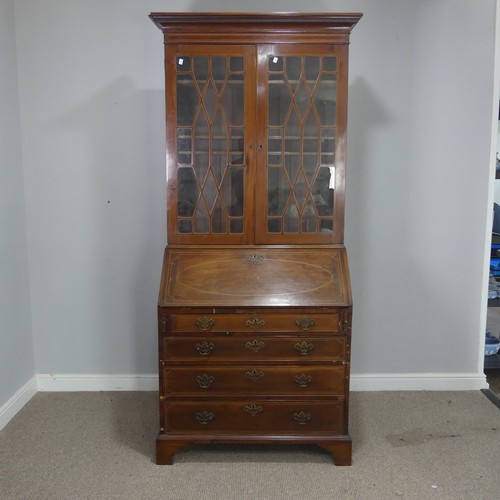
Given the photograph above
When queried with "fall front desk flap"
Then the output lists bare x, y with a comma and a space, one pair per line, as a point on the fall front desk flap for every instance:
260, 277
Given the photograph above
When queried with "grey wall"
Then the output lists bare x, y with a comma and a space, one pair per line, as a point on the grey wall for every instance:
16, 342
421, 92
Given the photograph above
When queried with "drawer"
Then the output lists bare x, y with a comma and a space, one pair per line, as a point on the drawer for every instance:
254, 380
254, 417
252, 323
219, 349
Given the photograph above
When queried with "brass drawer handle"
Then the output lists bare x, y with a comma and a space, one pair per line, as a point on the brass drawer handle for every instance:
204, 417
304, 348
302, 417
253, 409
255, 345
304, 323
204, 348
254, 375
205, 381
204, 323
302, 380
255, 323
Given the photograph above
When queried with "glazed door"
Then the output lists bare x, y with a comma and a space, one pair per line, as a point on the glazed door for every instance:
301, 143
210, 102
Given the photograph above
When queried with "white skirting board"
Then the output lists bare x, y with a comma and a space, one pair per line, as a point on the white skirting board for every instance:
17, 401
367, 382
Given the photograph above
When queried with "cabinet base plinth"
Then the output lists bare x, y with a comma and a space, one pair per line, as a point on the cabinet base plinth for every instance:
168, 445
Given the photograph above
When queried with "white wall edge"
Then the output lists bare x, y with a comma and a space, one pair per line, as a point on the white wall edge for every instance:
420, 382
17, 401
51, 382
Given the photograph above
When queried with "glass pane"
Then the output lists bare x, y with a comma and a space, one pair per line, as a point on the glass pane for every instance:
236, 64
236, 226
275, 63
311, 68
219, 146
302, 98
201, 70
201, 147
183, 63
210, 100
326, 225
274, 226
278, 191
184, 146
323, 192
232, 98
292, 164
210, 192
309, 218
274, 146
328, 146
219, 219
219, 164
185, 226
187, 100
291, 221
329, 63
237, 146
219, 68
278, 103
188, 191
325, 100
232, 191
301, 190
201, 223
293, 71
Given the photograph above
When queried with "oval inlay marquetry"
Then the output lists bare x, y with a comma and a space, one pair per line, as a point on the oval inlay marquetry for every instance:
271, 277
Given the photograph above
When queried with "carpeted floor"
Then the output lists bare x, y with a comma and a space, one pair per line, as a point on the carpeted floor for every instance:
407, 445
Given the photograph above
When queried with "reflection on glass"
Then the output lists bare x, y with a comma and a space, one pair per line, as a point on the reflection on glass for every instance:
322, 194
201, 221
278, 191
188, 191
185, 226
187, 100
292, 218
325, 102
210, 137
232, 191
301, 129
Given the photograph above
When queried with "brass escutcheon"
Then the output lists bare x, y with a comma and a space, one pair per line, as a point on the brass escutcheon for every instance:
204, 417
302, 417
304, 348
204, 348
253, 409
255, 323
254, 375
304, 323
302, 380
204, 323
205, 381
255, 345
254, 258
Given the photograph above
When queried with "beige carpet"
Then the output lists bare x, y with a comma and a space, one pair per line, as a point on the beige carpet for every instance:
407, 445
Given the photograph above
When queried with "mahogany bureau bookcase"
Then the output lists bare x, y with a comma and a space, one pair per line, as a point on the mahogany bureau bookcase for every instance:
255, 306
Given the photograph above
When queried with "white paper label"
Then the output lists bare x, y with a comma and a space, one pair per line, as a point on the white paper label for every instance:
332, 178
181, 61
275, 60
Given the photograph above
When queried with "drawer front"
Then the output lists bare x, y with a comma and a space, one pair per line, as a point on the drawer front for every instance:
252, 323
254, 380
253, 348
255, 417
